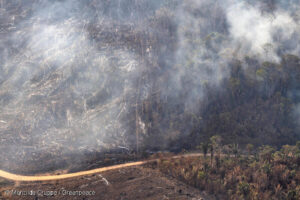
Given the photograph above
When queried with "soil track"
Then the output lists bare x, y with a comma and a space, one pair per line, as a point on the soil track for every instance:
16, 177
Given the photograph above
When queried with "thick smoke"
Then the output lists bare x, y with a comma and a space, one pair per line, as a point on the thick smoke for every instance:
262, 33
77, 76
213, 34
210, 38
61, 91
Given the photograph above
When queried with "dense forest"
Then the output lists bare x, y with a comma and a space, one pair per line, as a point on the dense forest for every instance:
246, 98
257, 105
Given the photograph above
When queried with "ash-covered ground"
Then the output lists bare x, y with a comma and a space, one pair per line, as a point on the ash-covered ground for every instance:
69, 71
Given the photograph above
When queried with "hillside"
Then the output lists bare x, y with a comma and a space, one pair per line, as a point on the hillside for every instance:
85, 84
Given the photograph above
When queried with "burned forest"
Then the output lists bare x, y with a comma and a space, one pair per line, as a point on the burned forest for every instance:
92, 83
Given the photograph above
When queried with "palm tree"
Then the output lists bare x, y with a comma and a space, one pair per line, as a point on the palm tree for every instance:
266, 153
215, 143
211, 147
235, 149
249, 148
204, 148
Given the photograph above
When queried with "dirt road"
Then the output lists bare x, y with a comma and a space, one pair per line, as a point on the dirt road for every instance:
137, 180
16, 177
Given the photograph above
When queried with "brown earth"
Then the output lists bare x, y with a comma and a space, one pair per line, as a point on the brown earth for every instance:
131, 183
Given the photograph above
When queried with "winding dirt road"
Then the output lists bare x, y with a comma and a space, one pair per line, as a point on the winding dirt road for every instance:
16, 177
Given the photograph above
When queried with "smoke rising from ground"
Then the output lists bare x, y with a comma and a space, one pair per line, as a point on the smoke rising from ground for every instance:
61, 91
73, 73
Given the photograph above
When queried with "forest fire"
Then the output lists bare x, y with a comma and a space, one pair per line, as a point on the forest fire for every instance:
96, 83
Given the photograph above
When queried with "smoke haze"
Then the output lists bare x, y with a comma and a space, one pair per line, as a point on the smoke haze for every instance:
78, 76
